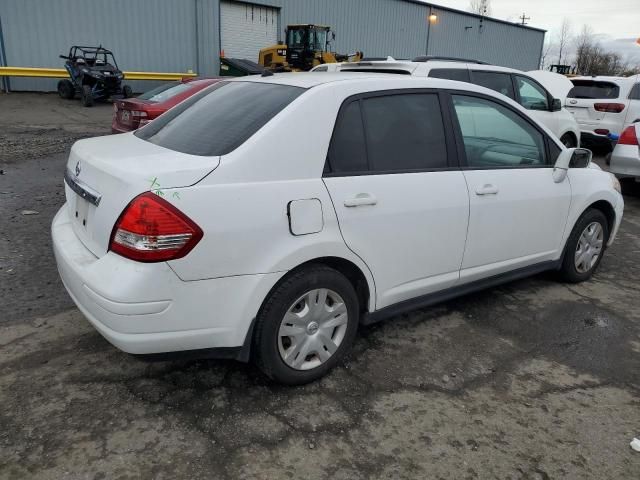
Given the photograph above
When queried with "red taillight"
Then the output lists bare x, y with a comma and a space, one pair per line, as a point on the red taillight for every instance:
609, 107
150, 229
628, 136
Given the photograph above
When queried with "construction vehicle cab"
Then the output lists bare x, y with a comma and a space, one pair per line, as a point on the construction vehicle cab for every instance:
305, 43
307, 46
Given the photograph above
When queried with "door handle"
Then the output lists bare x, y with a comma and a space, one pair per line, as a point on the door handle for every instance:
361, 199
487, 189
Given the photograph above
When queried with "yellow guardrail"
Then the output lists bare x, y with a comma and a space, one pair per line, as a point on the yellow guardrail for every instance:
62, 73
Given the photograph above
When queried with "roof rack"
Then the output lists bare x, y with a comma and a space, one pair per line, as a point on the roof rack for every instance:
428, 58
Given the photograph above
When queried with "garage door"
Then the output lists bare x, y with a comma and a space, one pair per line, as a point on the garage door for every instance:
246, 28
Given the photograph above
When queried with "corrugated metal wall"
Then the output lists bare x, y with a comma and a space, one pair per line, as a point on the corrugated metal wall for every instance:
459, 35
145, 35
178, 35
377, 27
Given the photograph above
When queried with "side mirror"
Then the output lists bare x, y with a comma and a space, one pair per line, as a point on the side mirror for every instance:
556, 105
581, 158
570, 158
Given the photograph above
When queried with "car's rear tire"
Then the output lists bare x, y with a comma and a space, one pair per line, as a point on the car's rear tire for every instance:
568, 140
66, 89
87, 96
306, 325
585, 246
127, 92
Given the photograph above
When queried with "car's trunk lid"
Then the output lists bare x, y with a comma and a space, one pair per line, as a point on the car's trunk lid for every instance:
105, 173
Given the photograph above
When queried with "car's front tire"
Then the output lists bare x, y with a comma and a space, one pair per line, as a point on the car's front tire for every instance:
306, 325
585, 246
568, 140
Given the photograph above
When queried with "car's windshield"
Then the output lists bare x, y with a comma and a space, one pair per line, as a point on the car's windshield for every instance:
219, 119
296, 37
165, 92
94, 59
593, 89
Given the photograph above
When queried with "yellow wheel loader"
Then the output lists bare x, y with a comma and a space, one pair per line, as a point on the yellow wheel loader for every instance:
307, 46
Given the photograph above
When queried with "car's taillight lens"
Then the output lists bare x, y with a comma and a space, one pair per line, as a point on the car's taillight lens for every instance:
138, 113
628, 136
150, 229
609, 107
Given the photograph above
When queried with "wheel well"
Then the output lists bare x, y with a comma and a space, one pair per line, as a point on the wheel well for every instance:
606, 208
572, 135
349, 270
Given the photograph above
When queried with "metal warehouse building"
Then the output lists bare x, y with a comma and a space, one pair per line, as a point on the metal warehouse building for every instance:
189, 35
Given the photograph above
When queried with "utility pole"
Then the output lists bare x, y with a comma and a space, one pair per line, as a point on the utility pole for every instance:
524, 19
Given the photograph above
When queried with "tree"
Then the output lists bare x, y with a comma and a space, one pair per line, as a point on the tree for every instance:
546, 49
592, 59
564, 36
480, 7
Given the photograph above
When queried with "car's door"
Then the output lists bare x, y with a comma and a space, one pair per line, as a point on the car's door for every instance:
532, 96
517, 212
401, 201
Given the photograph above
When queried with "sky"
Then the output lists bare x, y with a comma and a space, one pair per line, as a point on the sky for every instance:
615, 22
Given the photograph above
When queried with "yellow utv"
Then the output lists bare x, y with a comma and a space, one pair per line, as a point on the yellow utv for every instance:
306, 46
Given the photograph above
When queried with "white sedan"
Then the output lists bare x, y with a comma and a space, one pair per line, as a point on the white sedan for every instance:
269, 217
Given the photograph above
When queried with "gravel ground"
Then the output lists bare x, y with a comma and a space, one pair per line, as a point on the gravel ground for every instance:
532, 380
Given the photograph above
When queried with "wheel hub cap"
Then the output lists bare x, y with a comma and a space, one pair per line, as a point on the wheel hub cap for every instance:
312, 329
589, 247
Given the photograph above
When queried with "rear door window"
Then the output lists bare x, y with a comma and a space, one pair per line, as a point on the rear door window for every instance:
388, 134
593, 89
498, 81
459, 74
347, 152
219, 119
635, 92
404, 132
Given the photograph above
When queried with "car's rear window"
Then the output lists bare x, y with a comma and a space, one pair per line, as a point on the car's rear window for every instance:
593, 89
165, 92
219, 119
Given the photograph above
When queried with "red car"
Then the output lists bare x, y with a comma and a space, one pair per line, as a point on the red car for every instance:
134, 113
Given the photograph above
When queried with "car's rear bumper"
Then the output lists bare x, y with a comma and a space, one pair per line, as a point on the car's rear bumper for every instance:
118, 128
145, 308
591, 139
625, 161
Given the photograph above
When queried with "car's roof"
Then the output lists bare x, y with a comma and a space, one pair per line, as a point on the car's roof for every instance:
605, 78
307, 79
367, 80
202, 80
411, 66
